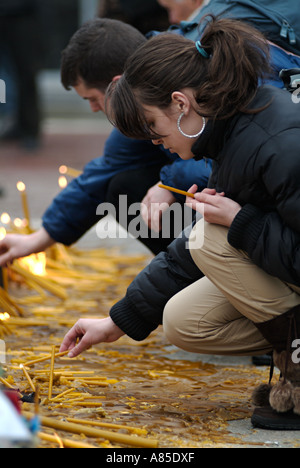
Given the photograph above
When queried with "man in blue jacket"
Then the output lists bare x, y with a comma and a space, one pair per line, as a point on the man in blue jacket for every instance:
94, 57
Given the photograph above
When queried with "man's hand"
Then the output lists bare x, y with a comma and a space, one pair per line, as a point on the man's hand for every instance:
90, 332
214, 207
154, 204
18, 245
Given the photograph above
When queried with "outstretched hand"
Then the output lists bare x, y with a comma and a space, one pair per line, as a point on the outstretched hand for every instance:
15, 246
215, 207
90, 332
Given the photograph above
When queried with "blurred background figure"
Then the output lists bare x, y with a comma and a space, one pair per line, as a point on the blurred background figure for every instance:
182, 10
19, 65
144, 15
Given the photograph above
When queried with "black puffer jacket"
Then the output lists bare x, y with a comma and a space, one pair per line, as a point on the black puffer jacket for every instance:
141, 310
256, 162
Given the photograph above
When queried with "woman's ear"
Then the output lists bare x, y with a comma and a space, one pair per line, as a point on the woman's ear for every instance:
181, 101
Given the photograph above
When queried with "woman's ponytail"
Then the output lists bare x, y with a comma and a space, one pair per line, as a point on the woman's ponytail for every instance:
239, 61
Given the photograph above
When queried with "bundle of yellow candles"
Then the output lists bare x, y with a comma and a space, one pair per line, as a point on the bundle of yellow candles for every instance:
78, 428
70, 398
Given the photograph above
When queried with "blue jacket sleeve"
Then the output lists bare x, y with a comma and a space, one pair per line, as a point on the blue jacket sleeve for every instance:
183, 174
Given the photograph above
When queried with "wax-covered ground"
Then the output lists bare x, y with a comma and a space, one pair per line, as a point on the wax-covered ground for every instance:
160, 393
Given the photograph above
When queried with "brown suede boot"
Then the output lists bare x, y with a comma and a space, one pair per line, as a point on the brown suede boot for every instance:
279, 405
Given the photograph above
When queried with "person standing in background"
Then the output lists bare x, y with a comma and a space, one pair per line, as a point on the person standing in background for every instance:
144, 16
19, 36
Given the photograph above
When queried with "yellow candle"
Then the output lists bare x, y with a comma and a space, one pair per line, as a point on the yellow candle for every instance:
3, 381
45, 358
28, 377
172, 189
70, 390
66, 442
136, 430
41, 281
22, 189
51, 372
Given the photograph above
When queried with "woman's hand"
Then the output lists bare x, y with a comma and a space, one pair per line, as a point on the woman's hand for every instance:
156, 201
214, 207
90, 332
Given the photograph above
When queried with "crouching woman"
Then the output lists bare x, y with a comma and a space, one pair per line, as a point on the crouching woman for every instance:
231, 285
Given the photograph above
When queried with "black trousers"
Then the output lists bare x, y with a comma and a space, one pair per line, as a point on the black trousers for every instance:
135, 184
18, 33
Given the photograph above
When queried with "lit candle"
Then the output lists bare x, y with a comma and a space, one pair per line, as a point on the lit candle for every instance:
6, 220
22, 189
69, 171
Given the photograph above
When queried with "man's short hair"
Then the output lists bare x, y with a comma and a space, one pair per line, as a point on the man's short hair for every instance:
97, 52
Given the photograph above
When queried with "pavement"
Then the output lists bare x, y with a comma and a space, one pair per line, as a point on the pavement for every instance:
72, 137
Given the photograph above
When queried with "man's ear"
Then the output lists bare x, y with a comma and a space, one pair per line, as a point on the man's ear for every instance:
116, 78
181, 101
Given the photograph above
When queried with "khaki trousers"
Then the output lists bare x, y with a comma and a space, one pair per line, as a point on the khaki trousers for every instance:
215, 315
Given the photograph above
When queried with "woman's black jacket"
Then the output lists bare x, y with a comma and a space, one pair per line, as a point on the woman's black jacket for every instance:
256, 162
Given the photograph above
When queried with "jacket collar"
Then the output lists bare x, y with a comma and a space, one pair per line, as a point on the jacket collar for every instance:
212, 140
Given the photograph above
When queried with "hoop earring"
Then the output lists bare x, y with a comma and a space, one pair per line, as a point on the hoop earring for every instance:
185, 134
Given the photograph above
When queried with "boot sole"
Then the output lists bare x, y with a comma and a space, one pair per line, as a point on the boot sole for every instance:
267, 418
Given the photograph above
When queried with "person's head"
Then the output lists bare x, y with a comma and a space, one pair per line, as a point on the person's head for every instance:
168, 77
96, 55
180, 10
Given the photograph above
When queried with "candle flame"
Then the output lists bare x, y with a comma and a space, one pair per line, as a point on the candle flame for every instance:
4, 316
21, 186
62, 182
70, 171
63, 169
18, 222
5, 218
35, 263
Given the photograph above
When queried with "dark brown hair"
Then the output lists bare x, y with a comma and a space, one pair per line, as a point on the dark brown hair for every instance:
97, 52
223, 84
